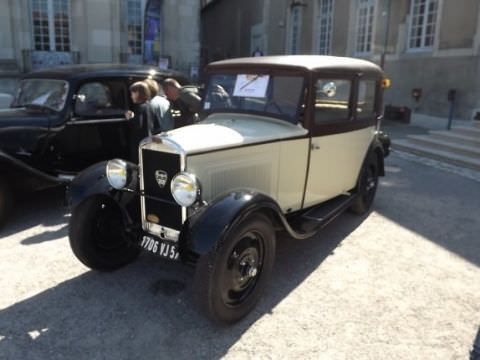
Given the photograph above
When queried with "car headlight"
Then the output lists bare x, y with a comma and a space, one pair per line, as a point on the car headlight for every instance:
185, 189
117, 173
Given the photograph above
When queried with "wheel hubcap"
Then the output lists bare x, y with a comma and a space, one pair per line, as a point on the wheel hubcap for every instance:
243, 268
370, 183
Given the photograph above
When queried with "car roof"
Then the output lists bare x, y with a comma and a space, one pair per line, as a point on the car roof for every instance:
316, 63
103, 70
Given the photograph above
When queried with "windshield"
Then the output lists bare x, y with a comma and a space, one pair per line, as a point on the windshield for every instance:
42, 92
269, 95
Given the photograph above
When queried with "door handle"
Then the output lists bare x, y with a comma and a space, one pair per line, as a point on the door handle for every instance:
314, 147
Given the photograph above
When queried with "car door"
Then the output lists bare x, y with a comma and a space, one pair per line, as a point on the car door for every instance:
340, 137
97, 129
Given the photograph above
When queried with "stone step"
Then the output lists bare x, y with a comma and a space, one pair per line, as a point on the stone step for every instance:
440, 155
444, 145
455, 137
467, 130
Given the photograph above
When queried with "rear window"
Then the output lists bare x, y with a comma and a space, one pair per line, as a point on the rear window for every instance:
332, 100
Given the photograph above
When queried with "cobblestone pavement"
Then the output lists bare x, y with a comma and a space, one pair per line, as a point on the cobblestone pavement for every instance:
400, 283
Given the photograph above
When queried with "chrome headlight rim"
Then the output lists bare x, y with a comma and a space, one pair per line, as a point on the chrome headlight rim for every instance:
117, 173
193, 195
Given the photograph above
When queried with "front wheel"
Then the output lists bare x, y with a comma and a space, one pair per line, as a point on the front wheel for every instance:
367, 186
97, 235
230, 280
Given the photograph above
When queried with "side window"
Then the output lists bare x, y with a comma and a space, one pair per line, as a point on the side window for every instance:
100, 99
332, 100
366, 99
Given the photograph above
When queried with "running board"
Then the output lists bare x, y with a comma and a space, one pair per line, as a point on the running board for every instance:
317, 217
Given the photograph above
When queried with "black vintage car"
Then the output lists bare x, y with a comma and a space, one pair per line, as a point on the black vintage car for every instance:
63, 120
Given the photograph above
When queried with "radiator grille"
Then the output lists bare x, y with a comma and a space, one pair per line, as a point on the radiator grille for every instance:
158, 200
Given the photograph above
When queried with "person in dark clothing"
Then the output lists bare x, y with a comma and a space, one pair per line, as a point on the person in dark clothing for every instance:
140, 118
183, 100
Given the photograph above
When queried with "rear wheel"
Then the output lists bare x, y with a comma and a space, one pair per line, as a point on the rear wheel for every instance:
367, 186
6, 200
98, 237
230, 280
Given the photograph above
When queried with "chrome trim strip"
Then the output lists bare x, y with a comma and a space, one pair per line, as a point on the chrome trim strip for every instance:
65, 177
163, 232
96, 121
142, 187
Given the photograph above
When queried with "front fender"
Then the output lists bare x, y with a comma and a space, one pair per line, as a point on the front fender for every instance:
212, 224
93, 182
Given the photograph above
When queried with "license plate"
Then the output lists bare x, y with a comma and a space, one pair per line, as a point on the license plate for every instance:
165, 249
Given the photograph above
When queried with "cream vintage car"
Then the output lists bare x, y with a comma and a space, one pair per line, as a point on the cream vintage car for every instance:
286, 143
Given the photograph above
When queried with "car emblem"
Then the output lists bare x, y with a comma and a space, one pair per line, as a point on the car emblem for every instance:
161, 177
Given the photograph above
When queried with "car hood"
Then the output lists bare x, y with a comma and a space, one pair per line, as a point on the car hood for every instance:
228, 130
20, 130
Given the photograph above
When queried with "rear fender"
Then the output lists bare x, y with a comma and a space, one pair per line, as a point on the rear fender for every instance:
377, 148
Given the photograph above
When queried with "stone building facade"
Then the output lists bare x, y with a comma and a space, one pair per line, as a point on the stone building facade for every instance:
430, 46
43, 33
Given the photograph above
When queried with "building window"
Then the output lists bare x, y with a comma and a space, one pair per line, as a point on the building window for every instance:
134, 27
324, 26
423, 23
51, 25
295, 26
366, 10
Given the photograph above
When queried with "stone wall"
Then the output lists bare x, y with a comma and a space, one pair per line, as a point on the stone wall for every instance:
99, 32
435, 76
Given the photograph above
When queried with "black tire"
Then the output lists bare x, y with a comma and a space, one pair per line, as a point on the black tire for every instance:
97, 235
230, 280
367, 186
6, 200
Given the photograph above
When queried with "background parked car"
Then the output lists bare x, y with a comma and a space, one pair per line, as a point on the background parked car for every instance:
63, 120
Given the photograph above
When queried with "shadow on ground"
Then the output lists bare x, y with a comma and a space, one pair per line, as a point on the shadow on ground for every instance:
441, 206
144, 311
44, 208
